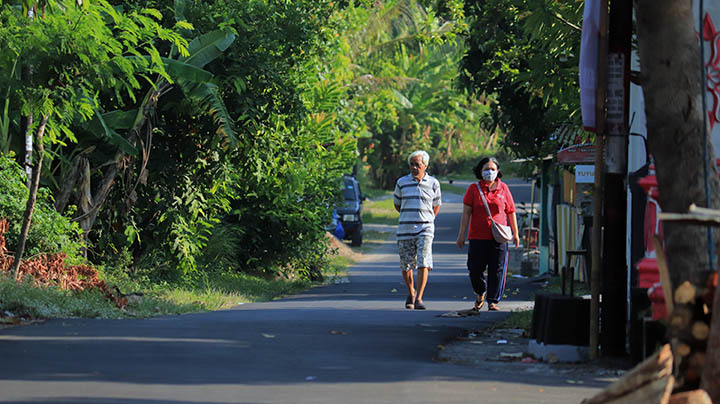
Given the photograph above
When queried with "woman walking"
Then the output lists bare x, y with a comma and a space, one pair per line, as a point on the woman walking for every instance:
485, 253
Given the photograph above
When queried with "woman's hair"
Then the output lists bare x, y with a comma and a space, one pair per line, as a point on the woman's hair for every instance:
479, 167
423, 153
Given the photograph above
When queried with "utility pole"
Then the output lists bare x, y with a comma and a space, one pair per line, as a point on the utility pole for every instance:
614, 306
597, 220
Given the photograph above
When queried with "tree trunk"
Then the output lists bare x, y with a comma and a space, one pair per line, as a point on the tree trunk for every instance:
28, 149
672, 86
34, 184
68, 184
101, 193
670, 64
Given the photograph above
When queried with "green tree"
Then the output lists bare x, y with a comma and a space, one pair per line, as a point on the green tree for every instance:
288, 147
404, 59
74, 51
523, 54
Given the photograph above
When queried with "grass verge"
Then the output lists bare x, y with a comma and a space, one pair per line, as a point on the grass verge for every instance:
380, 212
20, 302
452, 189
519, 319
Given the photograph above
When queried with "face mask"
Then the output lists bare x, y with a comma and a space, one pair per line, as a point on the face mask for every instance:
489, 175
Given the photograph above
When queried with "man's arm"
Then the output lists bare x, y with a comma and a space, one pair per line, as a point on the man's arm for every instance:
436, 209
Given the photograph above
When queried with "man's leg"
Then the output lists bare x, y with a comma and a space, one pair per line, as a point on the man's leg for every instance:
408, 278
425, 262
407, 251
422, 276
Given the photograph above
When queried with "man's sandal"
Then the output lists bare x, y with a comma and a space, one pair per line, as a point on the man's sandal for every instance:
410, 302
419, 305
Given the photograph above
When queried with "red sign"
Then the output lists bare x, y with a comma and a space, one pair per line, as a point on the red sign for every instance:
577, 154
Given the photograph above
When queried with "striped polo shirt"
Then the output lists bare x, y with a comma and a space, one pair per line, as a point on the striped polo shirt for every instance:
416, 200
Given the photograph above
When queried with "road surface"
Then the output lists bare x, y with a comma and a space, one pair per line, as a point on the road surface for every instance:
344, 343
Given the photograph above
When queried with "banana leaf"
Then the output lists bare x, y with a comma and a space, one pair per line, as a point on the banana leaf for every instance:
208, 47
206, 95
103, 126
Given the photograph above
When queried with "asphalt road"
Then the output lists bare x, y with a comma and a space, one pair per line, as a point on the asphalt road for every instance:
343, 343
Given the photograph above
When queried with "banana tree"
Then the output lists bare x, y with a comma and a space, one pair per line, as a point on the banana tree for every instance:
131, 131
75, 51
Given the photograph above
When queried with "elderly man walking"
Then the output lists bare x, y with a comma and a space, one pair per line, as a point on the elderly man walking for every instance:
417, 198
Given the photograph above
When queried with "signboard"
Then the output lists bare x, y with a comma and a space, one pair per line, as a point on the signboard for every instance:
577, 154
584, 174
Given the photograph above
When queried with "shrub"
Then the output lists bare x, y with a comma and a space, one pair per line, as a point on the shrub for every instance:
50, 232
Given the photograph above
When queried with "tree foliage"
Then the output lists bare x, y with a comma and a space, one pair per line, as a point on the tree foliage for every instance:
175, 123
523, 55
403, 59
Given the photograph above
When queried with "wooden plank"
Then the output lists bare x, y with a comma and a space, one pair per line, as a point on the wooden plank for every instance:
664, 273
651, 376
657, 391
692, 218
691, 397
703, 211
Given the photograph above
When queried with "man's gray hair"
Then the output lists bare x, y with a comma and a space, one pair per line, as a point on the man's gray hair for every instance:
423, 153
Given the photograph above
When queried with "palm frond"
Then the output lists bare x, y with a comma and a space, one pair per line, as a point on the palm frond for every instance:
208, 98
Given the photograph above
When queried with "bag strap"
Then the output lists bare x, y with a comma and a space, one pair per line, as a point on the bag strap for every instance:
482, 195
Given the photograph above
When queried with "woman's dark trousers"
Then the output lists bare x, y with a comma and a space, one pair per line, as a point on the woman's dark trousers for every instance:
491, 256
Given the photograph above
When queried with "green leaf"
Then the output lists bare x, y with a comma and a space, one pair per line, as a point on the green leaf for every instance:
402, 99
105, 130
206, 94
180, 70
152, 12
179, 6
206, 48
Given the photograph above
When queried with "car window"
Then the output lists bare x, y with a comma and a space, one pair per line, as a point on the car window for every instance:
349, 192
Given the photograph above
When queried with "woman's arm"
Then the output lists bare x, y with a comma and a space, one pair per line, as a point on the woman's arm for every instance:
514, 226
467, 211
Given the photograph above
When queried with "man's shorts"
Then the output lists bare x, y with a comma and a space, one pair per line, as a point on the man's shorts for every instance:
415, 253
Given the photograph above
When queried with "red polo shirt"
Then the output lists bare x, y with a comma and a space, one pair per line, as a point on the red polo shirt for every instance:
501, 204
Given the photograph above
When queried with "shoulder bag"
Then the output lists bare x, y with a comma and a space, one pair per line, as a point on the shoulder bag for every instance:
501, 233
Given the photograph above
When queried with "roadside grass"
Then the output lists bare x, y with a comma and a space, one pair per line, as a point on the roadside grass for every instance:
554, 285
24, 299
452, 189
518, 319
373, 193
380, 212
462, 176
219, 290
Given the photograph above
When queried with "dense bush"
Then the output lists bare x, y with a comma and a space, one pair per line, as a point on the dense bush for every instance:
50, 232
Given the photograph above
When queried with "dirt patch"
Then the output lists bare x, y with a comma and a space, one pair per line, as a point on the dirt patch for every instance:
505, 350
340, 248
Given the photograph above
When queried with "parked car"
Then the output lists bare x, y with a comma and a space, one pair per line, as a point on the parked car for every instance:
350, 212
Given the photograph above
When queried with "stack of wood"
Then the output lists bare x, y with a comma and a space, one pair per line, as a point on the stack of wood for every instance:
651, 381
689, 327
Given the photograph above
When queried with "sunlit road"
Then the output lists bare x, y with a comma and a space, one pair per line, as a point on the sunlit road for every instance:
344, 343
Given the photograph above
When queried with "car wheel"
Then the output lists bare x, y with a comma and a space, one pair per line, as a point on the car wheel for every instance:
356, 238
